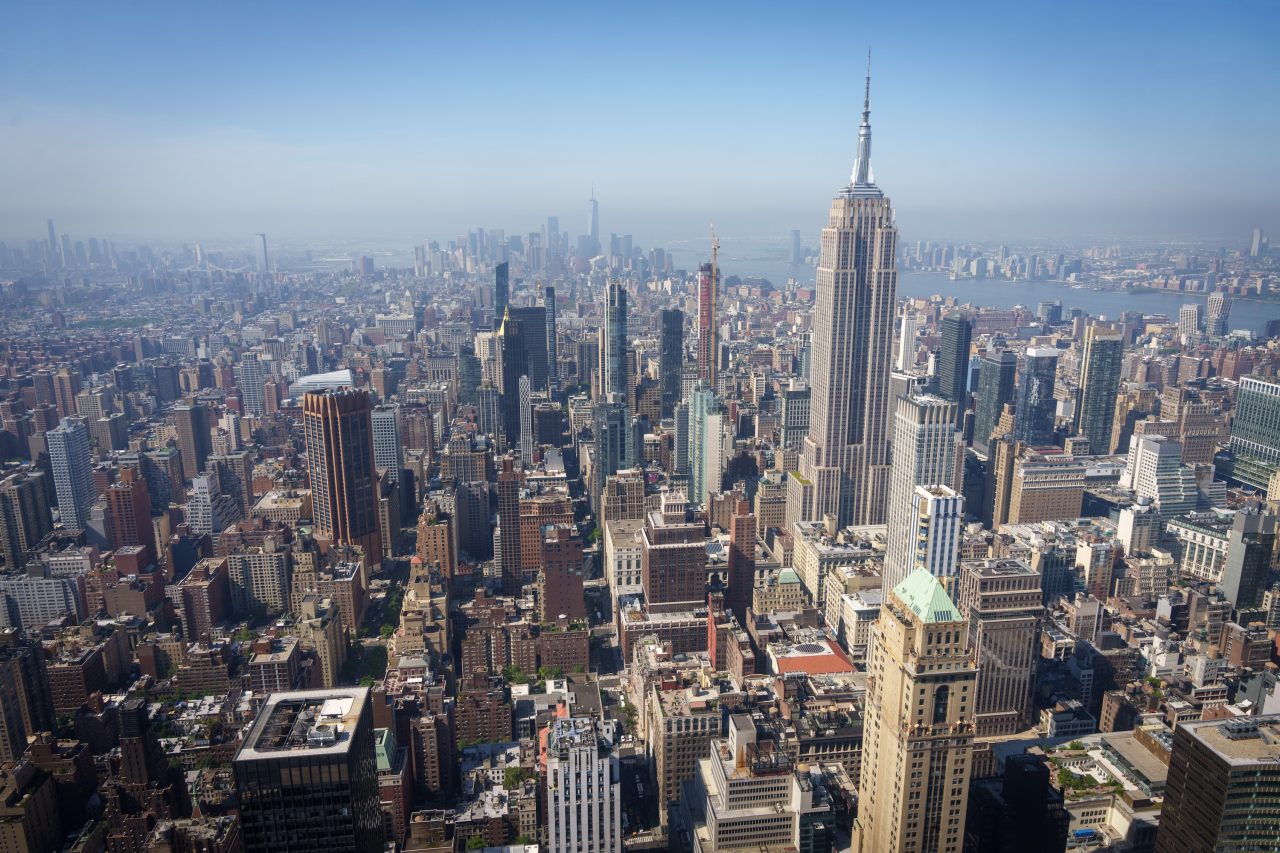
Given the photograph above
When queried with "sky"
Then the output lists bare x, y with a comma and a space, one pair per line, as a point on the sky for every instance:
411, 121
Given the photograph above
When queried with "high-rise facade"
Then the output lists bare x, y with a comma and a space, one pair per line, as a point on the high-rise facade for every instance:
905, 357
72, 471
844, 470
673, 557
1219, 310
1251, 543
927, 451
997, 375
1034, 416
307, 775
706, 456
526, 421
501, 289
918, 730
741, 566
25, 518
1189, 324
388, 448
553, 349
340, 463
509, 556
1255, 431
593, 224
129, 512
250, 377
584, 789
1100, 366
953, 362
708, 330
1223, 789
1002, 601
194, 441
937, 520
671, 356
613, 343
514, 364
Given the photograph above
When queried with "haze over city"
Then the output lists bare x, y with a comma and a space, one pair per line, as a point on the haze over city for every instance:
396, 122
846, 428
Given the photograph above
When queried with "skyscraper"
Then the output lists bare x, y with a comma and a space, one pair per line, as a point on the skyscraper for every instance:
593, 222
549, 305
905, 358
129, 512
533, 326
741, 566
613, 344
388, 447
501, 288
24, 516
584, 788
72, 471
797, 255
844, 466
671, 356
250, 376
1033, 418
1221, 794
927, 451
1219, 311
1002, 601
953, 363
509, 557
997, 374
937, 520
514, 364
1100, 366
526, 422
1249, 547
1255, 431
338, 428
1188, 324
307, 775
194, 442
708, 330
919, 721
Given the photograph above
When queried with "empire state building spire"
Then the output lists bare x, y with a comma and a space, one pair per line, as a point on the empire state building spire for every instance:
863, 178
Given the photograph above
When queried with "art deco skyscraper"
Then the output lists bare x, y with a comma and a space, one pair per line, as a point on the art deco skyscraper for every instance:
339, 432
844, 465
1099, 383
919, 724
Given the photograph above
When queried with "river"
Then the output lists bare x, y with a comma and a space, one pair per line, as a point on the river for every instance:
1251, 314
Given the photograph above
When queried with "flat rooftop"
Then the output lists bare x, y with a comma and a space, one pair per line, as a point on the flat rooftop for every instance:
1241, 741
314, 722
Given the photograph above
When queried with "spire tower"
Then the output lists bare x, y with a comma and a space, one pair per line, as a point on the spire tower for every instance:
863, 179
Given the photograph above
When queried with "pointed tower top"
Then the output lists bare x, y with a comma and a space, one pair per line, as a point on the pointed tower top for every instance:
863, 181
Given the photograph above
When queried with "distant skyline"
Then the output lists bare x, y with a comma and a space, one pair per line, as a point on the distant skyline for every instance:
404, 122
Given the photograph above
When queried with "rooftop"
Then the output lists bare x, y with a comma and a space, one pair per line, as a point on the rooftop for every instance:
923, 594
310, 721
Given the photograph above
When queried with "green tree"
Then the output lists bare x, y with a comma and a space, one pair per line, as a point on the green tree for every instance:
547, 672
513, 776
476, 843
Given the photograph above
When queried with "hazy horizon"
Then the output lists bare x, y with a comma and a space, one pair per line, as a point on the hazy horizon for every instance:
160, 123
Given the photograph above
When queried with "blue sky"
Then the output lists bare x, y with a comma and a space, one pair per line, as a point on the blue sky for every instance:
403, 121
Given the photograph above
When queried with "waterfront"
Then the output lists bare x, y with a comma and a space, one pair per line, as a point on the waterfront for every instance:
1251, 314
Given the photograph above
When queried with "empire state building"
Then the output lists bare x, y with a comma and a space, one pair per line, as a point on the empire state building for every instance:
844, 463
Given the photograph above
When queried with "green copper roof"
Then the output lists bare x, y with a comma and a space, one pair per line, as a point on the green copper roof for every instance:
923, 593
